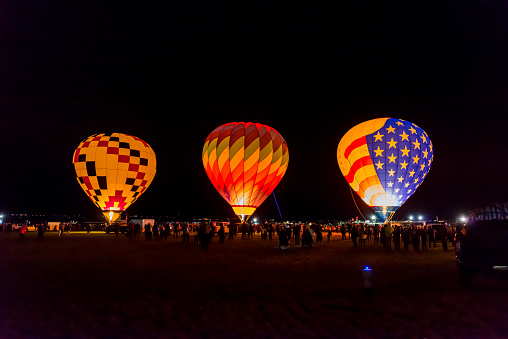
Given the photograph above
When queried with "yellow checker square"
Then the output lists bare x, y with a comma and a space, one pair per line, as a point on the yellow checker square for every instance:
137, 182
111, 191
101, 172
138, 145
123, 166
111, 176
94, 182
127, 192
101, 150
134, 160
132, 174
111, 161
90, 156
122, 137
114, 144
80, 166
81, 173
124, 151
121, 177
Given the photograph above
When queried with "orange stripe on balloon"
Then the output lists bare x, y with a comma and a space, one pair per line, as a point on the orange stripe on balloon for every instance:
364, 161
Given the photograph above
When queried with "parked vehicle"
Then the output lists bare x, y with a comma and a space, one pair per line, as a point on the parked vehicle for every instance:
482, 247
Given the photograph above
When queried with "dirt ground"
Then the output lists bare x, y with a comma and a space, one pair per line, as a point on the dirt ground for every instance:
103, 286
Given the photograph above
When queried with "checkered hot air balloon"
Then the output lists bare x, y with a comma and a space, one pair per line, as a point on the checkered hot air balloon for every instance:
245, 161
384, 161
114, 170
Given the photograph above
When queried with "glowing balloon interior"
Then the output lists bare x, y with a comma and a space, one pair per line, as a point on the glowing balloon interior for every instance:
114, 170
384, 161
245, 162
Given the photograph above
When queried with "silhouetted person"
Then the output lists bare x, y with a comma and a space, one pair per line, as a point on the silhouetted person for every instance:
244, 230
283, 239
296, 233
413, 234
148, 232
354, 235
319, 234
432, 236
396, 238
423, 236
444, 239
222, 234
204, 234
185, 232
343, 231
155, 232
40, 231
405, 238
388, 236
270, 231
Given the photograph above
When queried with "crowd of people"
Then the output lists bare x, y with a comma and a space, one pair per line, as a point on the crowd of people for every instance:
396, 236
419, 236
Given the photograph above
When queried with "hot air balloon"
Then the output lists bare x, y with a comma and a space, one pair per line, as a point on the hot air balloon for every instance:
114, 170
384, 161
245, 162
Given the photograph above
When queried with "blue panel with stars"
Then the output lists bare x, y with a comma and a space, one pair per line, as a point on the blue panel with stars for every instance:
402, 154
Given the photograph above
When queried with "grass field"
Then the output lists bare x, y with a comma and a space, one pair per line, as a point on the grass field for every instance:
102, 286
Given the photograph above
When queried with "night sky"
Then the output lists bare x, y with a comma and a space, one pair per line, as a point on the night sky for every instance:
171, 72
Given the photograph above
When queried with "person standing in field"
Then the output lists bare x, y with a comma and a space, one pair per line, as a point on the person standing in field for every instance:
185, 232
388, 234
296, 233
319, 234
22, 231
354, 235
148, 232
222, 234
423, 236
432, 236
40, 231
155, 231
329, 236
405, 238
396, 238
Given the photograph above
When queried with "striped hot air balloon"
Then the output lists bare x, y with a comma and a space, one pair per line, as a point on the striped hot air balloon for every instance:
245, 162
114, 170
384, 161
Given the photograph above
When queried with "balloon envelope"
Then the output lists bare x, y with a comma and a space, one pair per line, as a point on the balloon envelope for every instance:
114, 170
245, 162
384, 161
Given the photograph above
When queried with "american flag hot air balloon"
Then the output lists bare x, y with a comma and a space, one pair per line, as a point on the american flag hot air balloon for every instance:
385, 161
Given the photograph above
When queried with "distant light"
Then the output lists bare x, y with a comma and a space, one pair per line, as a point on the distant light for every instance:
255, 220
410, 217
463, 219
367, 268
420, 217
373, 217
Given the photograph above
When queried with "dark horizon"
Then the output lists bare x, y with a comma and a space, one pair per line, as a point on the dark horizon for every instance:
171, 73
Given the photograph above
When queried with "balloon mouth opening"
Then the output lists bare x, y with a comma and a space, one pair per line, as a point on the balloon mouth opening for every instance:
111, 216
385, 213
243, 212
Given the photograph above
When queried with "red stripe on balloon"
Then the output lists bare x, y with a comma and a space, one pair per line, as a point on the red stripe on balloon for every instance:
355, 144
364, 161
